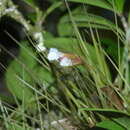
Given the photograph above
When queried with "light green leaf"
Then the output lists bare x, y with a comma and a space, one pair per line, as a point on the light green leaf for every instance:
117, 5
22, 68
123, 121
43, 75
110, 125
100, 3
63, 44
65, 27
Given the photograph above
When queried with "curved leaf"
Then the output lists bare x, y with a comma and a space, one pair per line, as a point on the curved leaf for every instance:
118, 5
65, 27
100, 3
111, 113
106, 4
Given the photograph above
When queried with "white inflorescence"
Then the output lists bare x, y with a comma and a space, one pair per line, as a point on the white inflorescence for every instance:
55, 55
66, 62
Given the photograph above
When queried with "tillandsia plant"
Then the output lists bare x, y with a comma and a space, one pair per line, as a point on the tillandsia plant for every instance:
73, 76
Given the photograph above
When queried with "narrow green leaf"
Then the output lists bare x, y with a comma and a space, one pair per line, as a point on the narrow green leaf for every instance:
111, 113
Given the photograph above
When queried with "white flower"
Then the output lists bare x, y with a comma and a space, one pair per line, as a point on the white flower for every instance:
66, 62
54, 54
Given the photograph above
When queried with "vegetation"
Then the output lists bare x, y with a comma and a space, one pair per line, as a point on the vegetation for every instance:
71, 73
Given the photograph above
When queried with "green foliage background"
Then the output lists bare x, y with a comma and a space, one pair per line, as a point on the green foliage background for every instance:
77, 92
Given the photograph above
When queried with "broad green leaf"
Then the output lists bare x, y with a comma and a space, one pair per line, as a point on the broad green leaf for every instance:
15, 86
100, 3
123, 121
110, 125
63, 44
43, 75
27, 55
46, 79
47, 35
21, 69
88, 20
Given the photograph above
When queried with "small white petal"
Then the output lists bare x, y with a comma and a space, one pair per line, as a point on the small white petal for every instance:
53, 50
66, 62
54, 54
